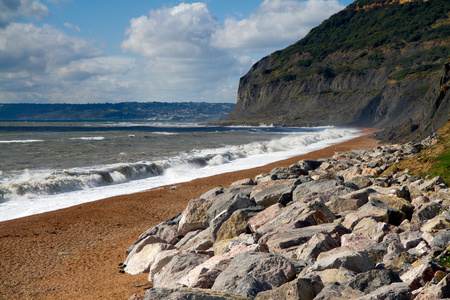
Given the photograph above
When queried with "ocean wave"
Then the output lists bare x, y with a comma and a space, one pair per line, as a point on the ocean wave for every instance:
32, 184
89, 138
288, 143
20, 141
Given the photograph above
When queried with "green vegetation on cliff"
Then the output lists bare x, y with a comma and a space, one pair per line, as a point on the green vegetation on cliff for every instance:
371, 30
431, 161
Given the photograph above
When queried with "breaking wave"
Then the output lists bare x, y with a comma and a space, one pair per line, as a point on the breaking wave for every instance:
30, 184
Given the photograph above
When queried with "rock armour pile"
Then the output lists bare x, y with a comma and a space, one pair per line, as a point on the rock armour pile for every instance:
334, 228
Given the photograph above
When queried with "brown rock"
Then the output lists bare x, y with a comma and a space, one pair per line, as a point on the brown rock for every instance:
194, 216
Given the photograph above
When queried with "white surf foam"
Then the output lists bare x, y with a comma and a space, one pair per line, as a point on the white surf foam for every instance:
88, 186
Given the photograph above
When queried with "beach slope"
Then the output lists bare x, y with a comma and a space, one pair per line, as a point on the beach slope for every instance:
74, 253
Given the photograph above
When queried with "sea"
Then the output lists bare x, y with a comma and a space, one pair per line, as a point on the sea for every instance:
46, 166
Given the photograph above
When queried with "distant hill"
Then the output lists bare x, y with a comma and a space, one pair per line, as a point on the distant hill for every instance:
155, 111
377, 63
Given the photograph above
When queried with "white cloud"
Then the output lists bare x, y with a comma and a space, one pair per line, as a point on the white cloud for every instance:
182, 53
13, 10
36, 64
175, 45
182, 31
40, 49
275, 25
72, 27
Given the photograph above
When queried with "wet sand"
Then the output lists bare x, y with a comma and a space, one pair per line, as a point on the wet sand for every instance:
74, 253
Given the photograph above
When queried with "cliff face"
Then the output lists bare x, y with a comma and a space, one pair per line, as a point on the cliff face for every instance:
382, 66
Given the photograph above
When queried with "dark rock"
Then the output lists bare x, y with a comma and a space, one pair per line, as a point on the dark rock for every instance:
272, 195
305, 164
251, 273
436, 292
423, 273
360, 181
191, 294
394, 291
229, 202
296, 237
369, 281
337, 291
357, 261
318, 243
395, 217
314, 187
442, 240
223, 207
377, 251
426, 211
300, 288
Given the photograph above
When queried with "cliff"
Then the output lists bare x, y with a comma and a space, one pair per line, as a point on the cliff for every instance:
381, 64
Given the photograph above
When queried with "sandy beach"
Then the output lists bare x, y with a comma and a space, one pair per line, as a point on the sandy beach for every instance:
74, 253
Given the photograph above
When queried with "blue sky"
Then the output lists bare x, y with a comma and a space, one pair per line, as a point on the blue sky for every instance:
70, 51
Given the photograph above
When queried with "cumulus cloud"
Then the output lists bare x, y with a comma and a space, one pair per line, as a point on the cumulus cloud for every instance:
181, 53
175, 45
276, 24
13, 10
40, 49
182, 31
37, 62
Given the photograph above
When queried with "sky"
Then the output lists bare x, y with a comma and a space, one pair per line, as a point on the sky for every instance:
85, 51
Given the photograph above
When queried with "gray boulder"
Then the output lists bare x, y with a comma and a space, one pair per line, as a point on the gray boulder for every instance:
360, 181
348, 202
178, 266
314, 187
228, 202
394, 291
442, 240
337, 291
423, 273
411, 239
369, 281
166, 231
318, 243
436, 292
239, 183
357, 261
300, 289
251, 273
297, 215
194, 216
188, 294
272, 195
223, 207
142, 256
237, 223
426, 211
294, 238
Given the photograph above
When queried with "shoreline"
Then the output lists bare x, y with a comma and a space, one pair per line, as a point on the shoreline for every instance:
74, 252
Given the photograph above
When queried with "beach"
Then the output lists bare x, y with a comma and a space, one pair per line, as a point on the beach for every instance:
74, 253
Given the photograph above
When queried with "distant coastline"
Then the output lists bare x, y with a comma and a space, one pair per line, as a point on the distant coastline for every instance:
125, 111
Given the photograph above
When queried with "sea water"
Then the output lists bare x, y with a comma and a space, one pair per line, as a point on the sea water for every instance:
46, 166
